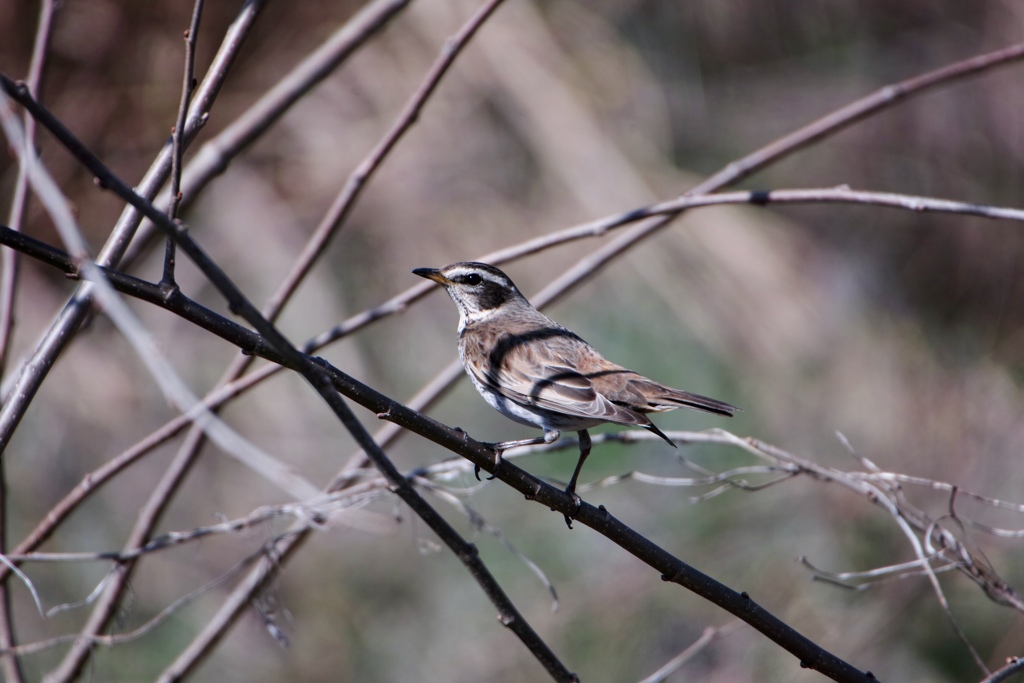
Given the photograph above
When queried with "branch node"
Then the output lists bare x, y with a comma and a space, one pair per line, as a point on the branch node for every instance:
169, 290
760, 197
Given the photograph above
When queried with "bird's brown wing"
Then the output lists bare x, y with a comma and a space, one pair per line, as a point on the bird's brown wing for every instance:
635, 392
540, 370
553, 369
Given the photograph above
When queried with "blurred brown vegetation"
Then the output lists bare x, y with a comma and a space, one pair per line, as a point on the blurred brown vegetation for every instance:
903, 331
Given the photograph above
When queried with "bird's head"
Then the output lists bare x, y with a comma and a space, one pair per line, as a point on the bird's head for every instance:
479, 290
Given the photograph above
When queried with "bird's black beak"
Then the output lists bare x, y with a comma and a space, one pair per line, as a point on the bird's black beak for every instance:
432, 274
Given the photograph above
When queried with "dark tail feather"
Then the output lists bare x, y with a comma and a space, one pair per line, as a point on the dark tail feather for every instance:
697, 402
654, 428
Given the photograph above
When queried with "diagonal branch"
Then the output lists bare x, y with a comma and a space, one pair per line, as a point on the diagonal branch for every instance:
10, 665
883, 98
253, 345
248, 312
669, 566
70, 319
215, 155
314, 372
733, 172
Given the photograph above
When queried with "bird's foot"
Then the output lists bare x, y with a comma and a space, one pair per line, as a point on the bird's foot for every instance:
579, 504
476, 470
498, 449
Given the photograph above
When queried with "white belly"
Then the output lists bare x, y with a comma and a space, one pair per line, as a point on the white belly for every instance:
535, 417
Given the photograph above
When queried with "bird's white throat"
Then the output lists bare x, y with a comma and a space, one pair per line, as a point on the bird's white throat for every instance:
467, 317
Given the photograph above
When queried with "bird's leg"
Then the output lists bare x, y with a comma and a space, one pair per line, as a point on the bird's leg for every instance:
571, 488
502, 446
584, 452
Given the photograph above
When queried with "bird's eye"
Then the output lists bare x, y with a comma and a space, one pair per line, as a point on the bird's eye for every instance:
472, 279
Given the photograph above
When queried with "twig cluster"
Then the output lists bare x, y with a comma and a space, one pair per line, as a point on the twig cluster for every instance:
937, 542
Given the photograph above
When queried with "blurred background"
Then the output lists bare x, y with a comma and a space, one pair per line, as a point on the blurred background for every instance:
903, 331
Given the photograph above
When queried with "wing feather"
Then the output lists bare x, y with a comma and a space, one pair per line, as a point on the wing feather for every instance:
535, 369
553, 369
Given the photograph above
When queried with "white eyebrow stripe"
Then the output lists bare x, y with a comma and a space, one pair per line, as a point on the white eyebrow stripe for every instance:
492, 277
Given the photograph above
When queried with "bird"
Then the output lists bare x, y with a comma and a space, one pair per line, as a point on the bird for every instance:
536, 372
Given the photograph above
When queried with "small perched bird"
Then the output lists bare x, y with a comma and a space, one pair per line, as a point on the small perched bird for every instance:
536, 372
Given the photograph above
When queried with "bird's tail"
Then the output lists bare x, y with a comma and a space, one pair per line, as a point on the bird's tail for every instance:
669, 399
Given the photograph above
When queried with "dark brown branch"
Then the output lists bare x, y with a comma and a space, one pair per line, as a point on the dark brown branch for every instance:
356, 32
62, 331
670, 567
279, 348
175, 302
312, 371
732, 173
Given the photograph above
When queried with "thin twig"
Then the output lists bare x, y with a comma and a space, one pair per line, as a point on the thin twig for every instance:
867, 106
313, 371
480, 524
63, 328
216, 154
317, 512
49, 255
111, 640
1013, 666
710, 635
366, 23
592, 229
333, 53
468, 443
20, 196
9, 665
188, 84
733, 172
